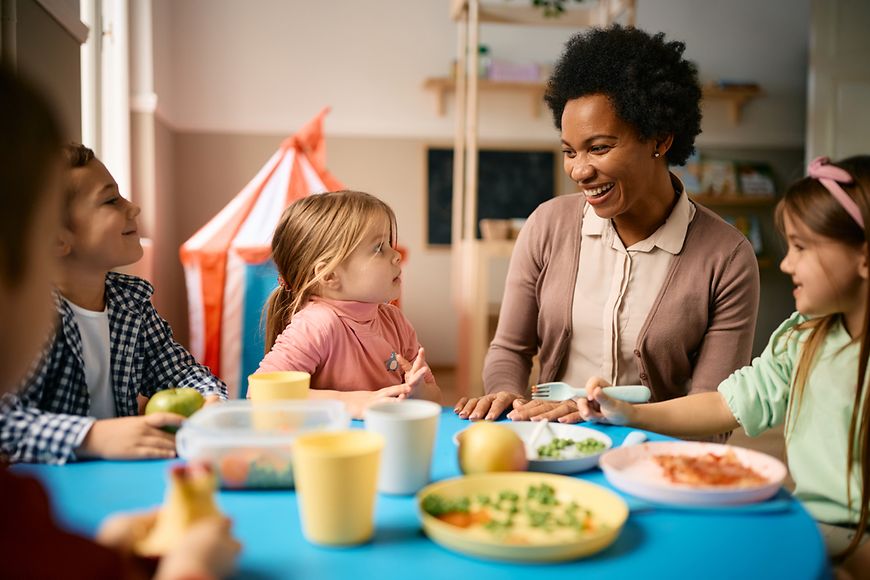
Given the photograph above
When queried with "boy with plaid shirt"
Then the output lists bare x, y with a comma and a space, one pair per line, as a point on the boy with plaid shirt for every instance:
110, 346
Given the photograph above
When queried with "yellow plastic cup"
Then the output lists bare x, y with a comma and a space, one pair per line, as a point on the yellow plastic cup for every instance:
266, 388
336, 484
278, 386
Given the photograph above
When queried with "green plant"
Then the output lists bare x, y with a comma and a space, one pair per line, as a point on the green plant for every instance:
553, 8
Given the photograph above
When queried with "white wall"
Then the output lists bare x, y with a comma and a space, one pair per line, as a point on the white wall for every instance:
266, 66
763, 41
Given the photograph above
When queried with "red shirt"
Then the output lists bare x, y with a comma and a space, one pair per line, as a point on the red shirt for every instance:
33, 546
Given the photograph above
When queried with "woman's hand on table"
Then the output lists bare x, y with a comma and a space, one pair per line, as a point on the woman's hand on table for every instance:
599, 407
539, 410
489, 407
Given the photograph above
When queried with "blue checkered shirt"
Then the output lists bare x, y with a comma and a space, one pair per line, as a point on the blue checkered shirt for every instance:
46, 420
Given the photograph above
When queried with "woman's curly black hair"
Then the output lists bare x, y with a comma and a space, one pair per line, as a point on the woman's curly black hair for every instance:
651, 86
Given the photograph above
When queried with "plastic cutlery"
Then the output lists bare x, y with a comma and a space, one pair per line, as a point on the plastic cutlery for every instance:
634, 438
559, 391
531, 448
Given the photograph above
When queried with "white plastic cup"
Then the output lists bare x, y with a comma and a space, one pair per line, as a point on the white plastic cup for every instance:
408, 428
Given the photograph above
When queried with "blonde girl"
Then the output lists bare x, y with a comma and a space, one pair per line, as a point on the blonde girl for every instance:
331, 314
812, 375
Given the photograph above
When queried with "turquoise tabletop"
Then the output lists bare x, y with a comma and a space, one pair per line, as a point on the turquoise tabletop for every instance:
655, 543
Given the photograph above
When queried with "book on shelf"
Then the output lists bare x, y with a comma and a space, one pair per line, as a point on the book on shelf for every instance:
502, 70
735, 85
690, 173
755, 179
749, 226
718, 177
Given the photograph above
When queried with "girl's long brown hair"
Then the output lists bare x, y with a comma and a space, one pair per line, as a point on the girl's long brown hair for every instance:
812, 204
320, 228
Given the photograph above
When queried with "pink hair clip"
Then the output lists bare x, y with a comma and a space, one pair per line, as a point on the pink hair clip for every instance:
282, 283
831, 177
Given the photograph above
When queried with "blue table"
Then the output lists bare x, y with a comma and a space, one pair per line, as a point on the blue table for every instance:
657, 543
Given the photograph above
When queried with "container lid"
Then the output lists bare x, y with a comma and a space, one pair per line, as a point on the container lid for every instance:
245, 423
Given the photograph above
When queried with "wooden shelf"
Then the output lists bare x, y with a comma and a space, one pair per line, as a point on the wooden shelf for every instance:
444, 87
598, 13
733, 200
736, 97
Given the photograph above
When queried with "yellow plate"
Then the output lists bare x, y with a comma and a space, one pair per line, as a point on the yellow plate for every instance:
608, 509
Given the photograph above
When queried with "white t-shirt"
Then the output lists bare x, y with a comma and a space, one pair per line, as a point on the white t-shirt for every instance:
94, 330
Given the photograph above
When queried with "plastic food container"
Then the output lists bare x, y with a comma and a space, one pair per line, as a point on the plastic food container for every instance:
251, 444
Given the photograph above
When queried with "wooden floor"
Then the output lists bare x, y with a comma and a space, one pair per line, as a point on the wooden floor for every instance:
770, 442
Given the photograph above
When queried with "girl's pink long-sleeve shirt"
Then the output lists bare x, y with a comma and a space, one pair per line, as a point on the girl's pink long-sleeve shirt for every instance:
344, 345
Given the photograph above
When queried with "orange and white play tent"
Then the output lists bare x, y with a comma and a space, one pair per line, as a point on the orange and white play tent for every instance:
227, 265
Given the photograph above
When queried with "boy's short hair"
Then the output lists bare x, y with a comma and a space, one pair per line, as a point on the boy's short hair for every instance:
30, 145
77, 155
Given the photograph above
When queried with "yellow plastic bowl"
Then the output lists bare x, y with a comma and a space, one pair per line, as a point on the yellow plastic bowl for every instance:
607, 508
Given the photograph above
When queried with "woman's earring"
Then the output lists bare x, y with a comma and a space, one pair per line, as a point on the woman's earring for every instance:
657, 154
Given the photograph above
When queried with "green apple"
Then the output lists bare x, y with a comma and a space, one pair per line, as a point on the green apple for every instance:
184, 401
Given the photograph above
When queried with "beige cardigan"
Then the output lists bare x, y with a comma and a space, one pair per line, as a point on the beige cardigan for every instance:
699, 330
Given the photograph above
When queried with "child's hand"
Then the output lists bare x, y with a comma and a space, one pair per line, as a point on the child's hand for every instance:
416, 375
394, 392
599, 407
131, 437
207, 550
211, 399
358, 401
123, 531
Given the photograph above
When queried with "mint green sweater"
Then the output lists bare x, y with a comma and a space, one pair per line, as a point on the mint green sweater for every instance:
760, 396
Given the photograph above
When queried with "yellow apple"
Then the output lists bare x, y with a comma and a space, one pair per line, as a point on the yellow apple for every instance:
485, 447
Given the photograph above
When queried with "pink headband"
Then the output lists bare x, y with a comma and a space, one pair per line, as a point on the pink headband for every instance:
831, 176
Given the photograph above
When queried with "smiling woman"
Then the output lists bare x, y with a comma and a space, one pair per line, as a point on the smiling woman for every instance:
627, 279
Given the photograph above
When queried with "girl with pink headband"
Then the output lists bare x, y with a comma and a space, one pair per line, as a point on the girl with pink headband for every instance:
812, 377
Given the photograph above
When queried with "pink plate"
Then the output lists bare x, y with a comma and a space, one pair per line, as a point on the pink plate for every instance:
635, 471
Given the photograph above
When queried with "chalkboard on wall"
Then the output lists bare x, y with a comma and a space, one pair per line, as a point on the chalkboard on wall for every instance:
511, 184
